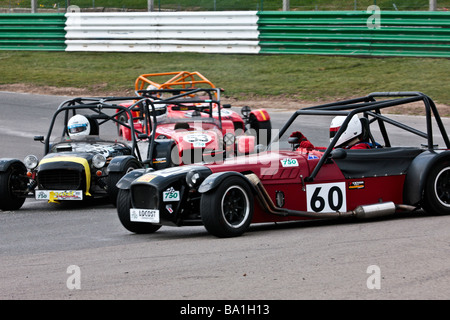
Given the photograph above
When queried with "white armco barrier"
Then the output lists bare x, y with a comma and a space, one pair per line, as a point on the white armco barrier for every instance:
208, 32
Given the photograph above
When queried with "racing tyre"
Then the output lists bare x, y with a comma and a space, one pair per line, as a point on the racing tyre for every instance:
123, 210
263, 130
437, 189
121, 118
114, 177
11, 183
227, 211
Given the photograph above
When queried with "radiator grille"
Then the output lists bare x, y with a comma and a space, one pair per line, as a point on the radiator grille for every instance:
61, 180
144, 197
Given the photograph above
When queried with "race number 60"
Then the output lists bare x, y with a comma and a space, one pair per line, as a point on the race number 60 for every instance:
326, 197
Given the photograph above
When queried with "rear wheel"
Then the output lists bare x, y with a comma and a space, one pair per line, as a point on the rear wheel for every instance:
227, 211
437, 189
12, 186
123, 211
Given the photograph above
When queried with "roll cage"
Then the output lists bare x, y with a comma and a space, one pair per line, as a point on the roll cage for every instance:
371, 108
187, 99
98, 106
173, 80
144, 107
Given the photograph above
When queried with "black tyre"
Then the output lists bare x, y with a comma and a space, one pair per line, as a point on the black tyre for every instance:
122, 118
123, 211
227, 211
114, 177
12, 183
262, 129
437, 189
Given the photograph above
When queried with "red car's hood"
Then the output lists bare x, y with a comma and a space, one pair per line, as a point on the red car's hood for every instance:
189, 139
269, 163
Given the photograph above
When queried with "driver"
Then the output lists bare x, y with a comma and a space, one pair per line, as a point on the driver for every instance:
78, 126
350, 138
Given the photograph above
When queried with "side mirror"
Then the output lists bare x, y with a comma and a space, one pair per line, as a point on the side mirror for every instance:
227, 106
294, 142
39, 138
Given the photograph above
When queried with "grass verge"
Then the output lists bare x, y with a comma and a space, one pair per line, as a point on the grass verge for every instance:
297, 77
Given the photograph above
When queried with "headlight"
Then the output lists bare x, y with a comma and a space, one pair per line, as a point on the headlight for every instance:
194, 179
31, 162
98, 161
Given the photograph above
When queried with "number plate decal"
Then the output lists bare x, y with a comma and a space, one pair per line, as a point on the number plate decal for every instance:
144, 215
52, 195
326, 197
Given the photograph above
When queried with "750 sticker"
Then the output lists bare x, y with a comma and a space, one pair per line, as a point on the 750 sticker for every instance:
289, 162
171, 195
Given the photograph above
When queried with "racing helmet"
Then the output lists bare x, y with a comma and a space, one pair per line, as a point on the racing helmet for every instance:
78, 126
354, 129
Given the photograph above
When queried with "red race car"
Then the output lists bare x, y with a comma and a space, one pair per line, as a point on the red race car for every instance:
401, 169
183, 99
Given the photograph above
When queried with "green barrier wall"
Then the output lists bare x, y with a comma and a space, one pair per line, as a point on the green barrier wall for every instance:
401, 33
37, 31
411, 33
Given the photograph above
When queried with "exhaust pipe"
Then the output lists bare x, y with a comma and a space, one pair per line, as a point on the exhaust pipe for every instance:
361, 212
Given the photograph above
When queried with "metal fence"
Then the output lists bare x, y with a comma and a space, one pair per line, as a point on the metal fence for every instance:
218, 5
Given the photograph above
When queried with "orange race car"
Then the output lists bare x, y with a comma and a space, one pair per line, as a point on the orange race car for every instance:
253, 126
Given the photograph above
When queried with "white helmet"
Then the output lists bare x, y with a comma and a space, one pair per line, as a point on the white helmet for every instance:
354, 129
78, 125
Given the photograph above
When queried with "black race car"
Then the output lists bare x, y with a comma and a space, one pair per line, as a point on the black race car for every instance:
85, 160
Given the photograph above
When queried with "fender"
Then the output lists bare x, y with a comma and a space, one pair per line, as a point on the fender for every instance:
162, 154
118, 163
417, 175
261, 115
126, 180
215, 179
6, 163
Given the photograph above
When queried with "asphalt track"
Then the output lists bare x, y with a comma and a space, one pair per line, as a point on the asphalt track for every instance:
81, 251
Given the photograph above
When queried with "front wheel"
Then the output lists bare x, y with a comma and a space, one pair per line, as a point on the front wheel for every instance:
123, 211
437, 189
12, 186
114, 177
227, 211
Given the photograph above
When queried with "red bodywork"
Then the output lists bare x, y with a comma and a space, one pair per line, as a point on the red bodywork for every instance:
298, 194
231, 121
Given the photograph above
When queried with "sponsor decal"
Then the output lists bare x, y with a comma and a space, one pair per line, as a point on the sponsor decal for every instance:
160, 160
171, 195
288, 162
146, 178
356, 185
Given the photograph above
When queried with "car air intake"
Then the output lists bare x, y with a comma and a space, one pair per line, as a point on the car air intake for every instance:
61, 179
144, 197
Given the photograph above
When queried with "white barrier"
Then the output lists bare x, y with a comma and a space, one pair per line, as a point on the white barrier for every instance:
208, 32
